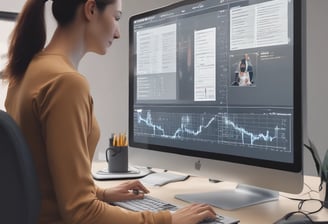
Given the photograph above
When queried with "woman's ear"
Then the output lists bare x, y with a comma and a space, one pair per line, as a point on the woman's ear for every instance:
89, 9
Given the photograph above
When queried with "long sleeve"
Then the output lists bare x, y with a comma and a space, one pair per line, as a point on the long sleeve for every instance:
65, 111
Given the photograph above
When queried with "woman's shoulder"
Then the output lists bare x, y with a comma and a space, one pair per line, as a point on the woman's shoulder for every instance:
63, 87
70, 80
50, 63
56, 71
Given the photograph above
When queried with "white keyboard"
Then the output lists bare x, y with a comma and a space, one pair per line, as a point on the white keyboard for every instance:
147, 204
154, 204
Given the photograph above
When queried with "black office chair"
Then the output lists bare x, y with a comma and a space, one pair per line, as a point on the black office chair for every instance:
19, 189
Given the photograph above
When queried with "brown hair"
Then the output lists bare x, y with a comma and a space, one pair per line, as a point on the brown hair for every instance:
29, 35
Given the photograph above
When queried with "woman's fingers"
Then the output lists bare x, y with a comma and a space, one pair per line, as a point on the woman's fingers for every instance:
193, 214
137, 185
205, 208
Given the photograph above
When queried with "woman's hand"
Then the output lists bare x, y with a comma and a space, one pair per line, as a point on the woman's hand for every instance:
128, 190
193, 214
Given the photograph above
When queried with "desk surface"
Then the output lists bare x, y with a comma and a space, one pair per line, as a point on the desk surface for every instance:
258, 214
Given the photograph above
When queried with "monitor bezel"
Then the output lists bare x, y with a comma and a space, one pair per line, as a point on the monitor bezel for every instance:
298, 77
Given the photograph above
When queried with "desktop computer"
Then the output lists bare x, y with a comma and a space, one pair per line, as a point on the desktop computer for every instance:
217, 89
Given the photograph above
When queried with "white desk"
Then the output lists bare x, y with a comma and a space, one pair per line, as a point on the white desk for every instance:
265, 213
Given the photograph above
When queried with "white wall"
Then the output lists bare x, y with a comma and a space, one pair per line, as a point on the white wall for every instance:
317, 79
10, 6
108, 75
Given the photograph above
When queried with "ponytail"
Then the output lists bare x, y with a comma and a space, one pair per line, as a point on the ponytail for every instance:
29, 35
27, 39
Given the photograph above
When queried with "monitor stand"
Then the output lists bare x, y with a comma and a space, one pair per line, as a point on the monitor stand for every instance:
241, 196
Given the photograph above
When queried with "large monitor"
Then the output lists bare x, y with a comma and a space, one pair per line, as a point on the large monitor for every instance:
217, 90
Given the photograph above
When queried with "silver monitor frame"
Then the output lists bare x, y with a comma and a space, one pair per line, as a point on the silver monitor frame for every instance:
277, 179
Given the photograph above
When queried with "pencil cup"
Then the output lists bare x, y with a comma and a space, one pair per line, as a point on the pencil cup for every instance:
117, 159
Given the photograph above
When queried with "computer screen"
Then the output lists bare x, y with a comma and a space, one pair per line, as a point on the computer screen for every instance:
219, 81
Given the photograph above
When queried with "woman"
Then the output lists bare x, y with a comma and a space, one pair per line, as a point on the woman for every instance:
243, 75
51, 102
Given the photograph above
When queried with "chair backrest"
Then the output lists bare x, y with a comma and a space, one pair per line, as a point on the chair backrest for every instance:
19, 188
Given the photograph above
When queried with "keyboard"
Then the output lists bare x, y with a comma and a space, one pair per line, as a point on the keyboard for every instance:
152, 204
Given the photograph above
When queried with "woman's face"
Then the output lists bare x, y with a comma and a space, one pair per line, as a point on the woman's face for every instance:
104, 28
